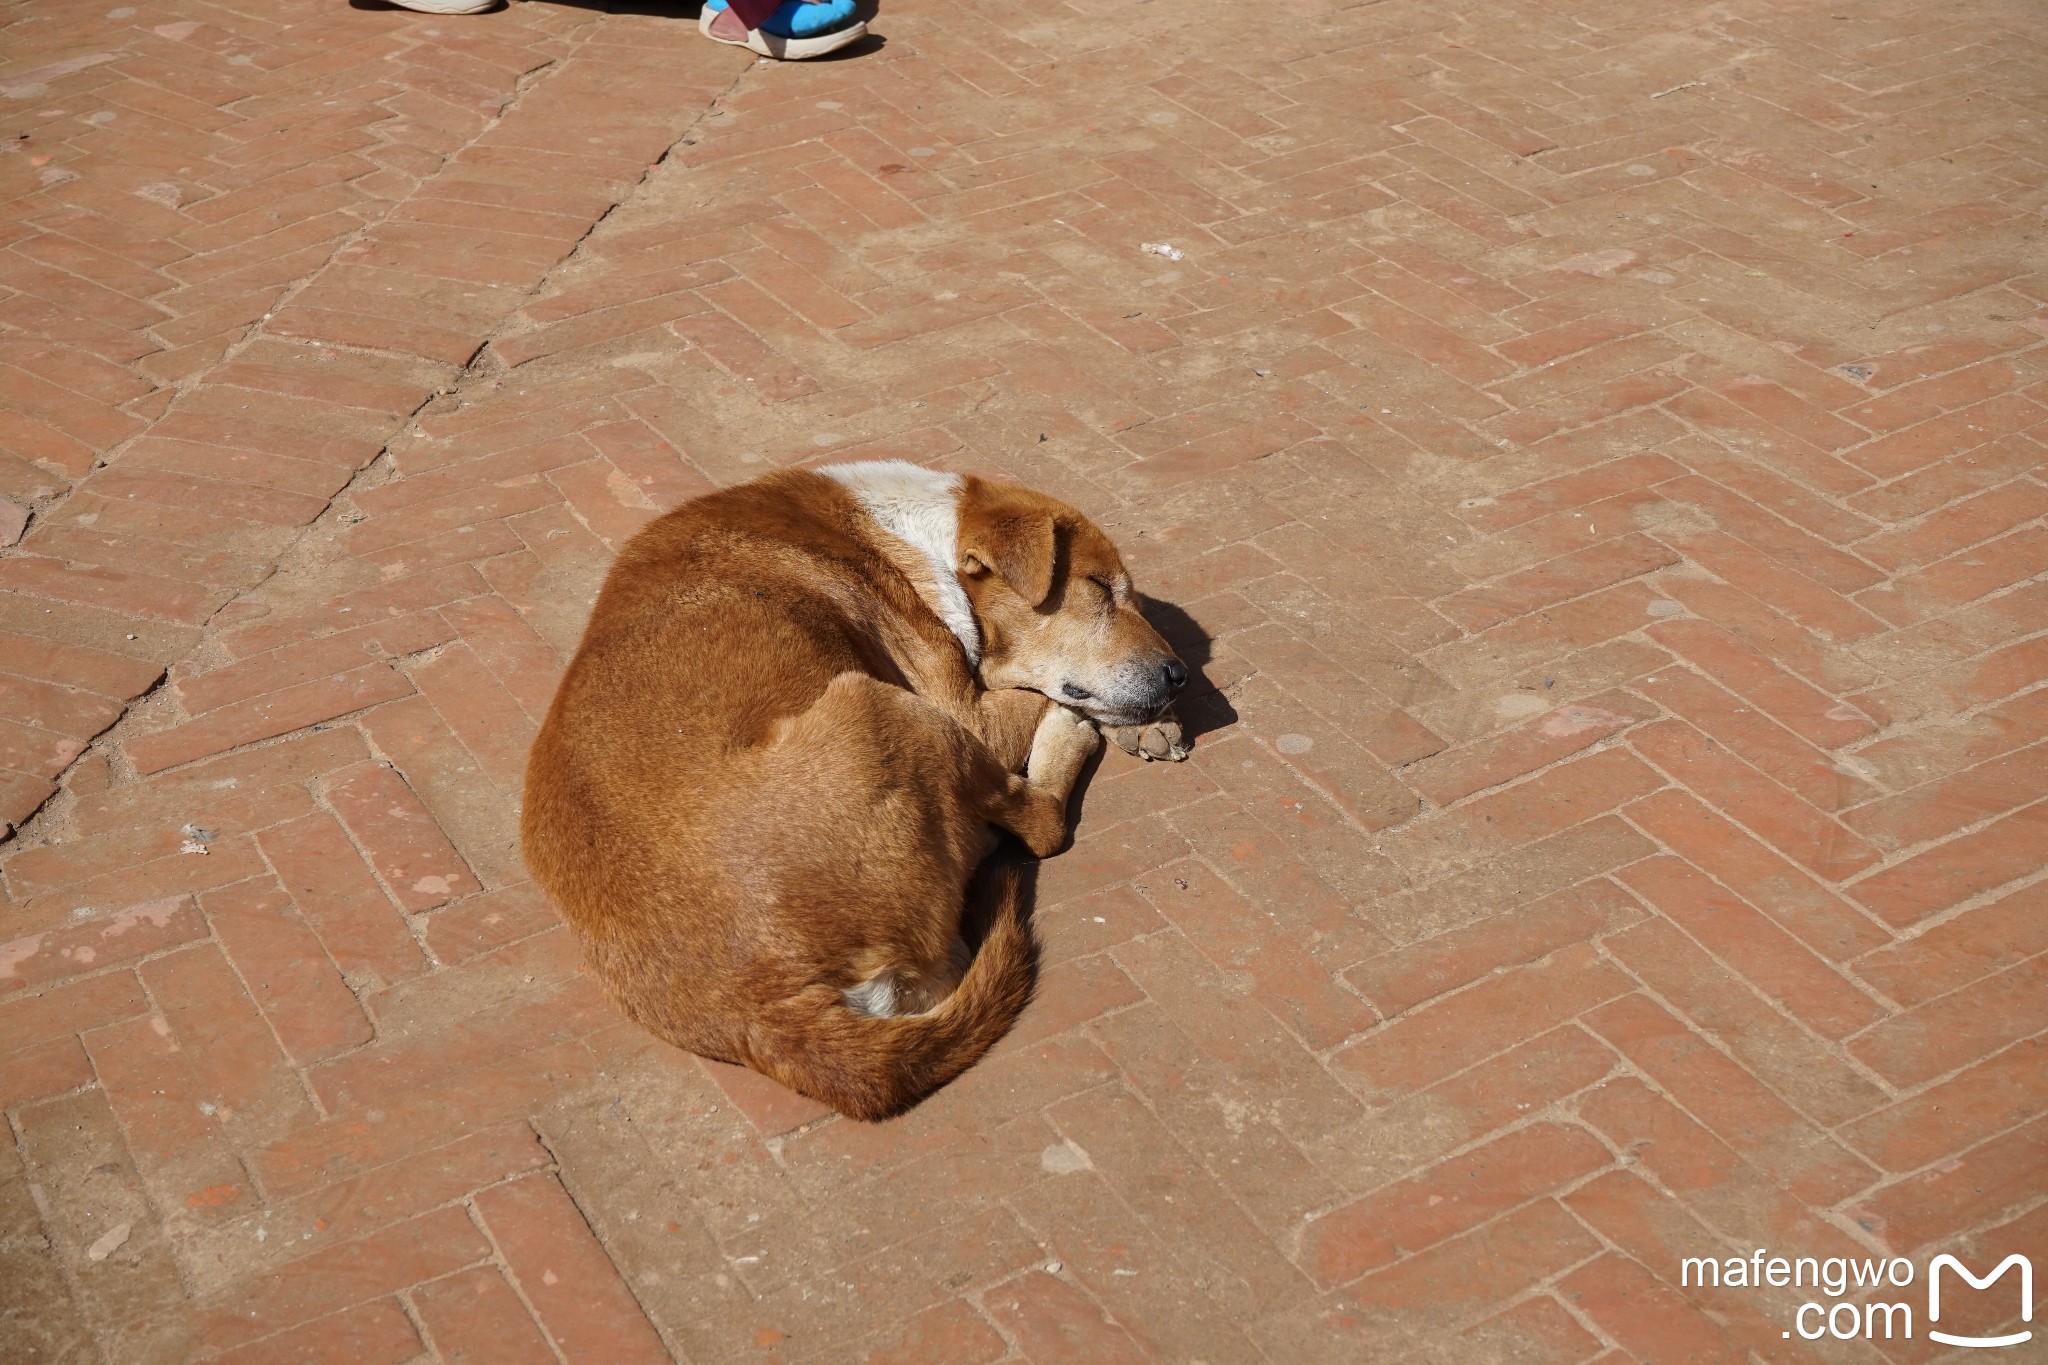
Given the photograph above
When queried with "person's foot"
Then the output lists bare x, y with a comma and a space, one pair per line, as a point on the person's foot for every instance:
799, 29
447, 6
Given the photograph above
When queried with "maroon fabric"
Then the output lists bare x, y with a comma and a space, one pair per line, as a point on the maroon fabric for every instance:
754, 13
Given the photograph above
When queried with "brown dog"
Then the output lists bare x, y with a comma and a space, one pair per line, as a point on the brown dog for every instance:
772, 766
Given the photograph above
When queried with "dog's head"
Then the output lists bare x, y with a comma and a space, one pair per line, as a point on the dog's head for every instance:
1056, 608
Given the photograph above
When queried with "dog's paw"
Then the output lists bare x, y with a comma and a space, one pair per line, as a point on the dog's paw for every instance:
1160, 740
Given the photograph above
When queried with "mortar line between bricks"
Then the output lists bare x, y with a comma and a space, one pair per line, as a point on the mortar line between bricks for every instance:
596, 1236
504, 1264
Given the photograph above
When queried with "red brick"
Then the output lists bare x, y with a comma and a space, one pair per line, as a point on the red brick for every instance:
1276, 454
1802, 984
1757, 739
310, 661
43, 1069
404, 844
133, 594
1447, 777
619, 290
1950, 873
1945, 437
399, 1063
1741, 792
609, 503
585, 1308
40, 1017
949, 1334
1558, 580
357, 1206
665, 474
1054, 1320
1554, 800
162, 1107
1496, 1261
321, 871
1805, 1070
1963, 949
287, 971
1819, 608
488, 922
373, 1333
1811, 913
1957, 527
1448, 1199
1236, 937
240, 501
1704, 1173
1730, 1102
68, 665
98, 943
1960, 1193
1962, 578
20, 796
1651, 1320
2003, 1091
267, 716
1398, 981
480, 710
1943, 807
1657, 1233
1748, 672
1789, 412
343, 1276
1422, 1048
233, 1054
1956, 1029
1536, 1330
475, 1316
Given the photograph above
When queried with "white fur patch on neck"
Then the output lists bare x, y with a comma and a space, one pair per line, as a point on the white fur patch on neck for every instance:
921, 508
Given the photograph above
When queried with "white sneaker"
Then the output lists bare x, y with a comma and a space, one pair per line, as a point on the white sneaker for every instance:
447, 6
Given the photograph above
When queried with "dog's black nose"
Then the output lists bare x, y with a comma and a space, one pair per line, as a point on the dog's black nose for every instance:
1176, 674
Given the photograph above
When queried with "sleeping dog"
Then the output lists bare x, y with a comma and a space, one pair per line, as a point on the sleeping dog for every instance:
767, 783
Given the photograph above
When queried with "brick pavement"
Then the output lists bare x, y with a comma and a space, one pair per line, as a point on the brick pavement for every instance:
1593, 454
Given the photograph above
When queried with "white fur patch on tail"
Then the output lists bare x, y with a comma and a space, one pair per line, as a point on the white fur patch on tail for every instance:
876, 995
921, 508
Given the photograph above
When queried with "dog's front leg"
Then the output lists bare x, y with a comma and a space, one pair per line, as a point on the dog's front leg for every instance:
1034, 806
1007, 720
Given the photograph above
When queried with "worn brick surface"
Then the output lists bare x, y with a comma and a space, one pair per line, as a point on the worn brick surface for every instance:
1592, 456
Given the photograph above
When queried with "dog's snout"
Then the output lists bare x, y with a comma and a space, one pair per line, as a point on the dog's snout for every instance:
1176, 675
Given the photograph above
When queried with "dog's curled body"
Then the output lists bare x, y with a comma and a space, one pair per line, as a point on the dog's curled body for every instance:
765, 786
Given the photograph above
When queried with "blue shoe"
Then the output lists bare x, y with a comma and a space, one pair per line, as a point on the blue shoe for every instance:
794, 32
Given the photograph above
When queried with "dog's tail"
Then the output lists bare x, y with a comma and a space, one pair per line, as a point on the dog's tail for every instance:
874, 1067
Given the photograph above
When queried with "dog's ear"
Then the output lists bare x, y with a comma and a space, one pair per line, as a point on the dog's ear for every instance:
1010, 532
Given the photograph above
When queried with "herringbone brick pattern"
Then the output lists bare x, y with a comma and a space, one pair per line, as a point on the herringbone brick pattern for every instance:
1592, 453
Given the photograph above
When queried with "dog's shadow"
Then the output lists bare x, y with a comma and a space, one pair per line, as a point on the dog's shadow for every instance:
1202, 707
